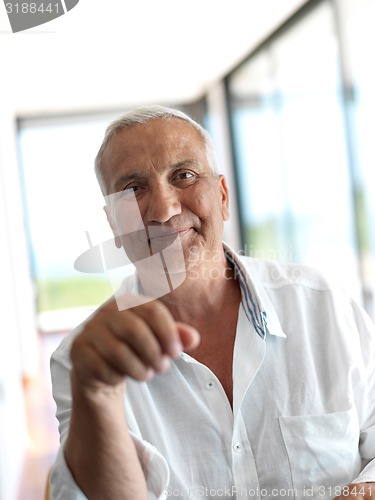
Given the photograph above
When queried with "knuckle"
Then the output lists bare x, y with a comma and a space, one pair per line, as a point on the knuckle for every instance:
138, 374
154, 307
158, 316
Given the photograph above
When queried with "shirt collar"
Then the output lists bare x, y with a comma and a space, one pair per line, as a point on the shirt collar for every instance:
256, 302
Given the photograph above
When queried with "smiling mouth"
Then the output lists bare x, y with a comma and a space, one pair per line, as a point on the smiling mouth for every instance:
158, 234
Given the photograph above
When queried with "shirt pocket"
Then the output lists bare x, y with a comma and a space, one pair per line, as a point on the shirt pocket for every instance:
323, 452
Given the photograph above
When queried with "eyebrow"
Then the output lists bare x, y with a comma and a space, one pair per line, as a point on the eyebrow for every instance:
127, 177
138, 175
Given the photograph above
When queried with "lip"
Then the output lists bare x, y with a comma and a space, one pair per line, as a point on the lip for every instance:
170, 234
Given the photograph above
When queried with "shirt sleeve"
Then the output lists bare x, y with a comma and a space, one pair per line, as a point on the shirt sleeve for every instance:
63, 486
366, 330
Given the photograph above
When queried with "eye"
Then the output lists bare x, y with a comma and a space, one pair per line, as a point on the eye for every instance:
184, 178
185, 175
131, 191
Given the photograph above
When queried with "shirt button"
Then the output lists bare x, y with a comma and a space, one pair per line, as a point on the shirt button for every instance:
210, 384
237, 447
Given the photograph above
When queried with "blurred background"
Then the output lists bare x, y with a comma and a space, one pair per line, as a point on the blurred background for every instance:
286, 89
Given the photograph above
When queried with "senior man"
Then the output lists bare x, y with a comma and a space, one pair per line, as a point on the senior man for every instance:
249, 379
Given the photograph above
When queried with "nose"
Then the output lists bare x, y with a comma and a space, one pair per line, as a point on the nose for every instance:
164, 203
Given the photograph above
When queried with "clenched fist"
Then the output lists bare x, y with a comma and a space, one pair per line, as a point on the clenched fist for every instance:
136, 342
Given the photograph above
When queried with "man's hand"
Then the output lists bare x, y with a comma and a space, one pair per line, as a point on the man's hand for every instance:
360, 491
136, 343
114, 345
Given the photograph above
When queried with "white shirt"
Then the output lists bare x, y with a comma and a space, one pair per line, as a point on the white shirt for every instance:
303, 419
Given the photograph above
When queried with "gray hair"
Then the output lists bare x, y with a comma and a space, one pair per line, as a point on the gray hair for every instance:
145, 114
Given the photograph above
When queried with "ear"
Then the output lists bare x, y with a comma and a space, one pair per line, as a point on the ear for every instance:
224, 197
113, 226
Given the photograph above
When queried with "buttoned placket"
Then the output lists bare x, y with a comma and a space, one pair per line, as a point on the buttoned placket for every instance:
213, 393
249, 351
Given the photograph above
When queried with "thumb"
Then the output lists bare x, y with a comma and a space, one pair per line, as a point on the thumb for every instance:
189, 336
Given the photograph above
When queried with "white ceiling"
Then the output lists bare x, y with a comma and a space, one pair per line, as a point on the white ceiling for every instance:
117, 53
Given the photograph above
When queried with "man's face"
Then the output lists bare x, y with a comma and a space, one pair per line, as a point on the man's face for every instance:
163, 166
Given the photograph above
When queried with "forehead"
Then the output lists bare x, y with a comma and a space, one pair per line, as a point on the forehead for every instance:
157, 141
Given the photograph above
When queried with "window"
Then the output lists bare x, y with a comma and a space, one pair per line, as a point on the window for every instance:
358, 18
62, 201
299, 190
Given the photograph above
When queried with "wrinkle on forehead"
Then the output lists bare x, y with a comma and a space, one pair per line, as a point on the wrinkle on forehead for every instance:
143, 146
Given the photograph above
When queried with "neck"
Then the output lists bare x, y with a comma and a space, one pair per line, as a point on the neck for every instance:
209, 288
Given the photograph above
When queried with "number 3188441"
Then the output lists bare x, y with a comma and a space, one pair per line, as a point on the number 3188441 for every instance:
32, 8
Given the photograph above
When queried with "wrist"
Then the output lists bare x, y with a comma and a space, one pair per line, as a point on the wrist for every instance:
96, 393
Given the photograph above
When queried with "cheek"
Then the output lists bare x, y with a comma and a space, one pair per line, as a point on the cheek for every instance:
206, 203
210, 213
127, 217
203, 206
136, 245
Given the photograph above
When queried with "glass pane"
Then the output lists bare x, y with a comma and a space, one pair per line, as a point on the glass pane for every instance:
359, 20
294, 180
63, 201
258, 153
